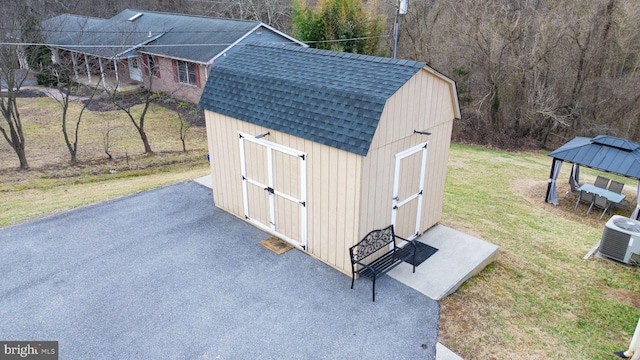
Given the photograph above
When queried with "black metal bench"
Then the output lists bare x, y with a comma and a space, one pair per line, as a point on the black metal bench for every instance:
363, 255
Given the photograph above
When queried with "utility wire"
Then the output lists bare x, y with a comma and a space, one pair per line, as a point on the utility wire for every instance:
176, 45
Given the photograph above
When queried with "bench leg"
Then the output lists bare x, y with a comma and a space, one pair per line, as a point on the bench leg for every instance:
414, 260
374, 289
353, 278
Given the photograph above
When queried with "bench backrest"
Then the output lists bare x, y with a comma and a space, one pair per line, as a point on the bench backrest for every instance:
372, 243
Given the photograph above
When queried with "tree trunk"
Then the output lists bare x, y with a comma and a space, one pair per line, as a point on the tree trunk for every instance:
22, 156
145, 141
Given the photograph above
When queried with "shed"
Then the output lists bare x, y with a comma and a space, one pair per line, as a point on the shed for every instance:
603, 152
320, 147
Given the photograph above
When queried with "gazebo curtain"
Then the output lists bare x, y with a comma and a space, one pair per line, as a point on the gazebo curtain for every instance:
574, 180
552, 190
636, 212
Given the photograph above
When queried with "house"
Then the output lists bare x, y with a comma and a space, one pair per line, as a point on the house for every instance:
320, 147
162, 51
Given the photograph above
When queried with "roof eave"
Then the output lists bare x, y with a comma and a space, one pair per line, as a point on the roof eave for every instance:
223, 52
454, 90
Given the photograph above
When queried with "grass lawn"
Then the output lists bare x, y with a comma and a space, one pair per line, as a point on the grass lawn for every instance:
51, 185
539, 300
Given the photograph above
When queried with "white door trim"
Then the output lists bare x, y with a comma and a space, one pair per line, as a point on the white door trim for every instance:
272, 192
135, 71
396, 201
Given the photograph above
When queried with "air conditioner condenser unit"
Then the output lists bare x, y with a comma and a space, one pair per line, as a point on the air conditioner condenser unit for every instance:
621, 240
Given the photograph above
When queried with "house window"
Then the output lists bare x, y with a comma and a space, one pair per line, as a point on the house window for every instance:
186, 72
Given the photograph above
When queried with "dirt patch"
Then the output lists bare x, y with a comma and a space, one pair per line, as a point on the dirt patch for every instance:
627, 297
188, 111
534, 192
30, 93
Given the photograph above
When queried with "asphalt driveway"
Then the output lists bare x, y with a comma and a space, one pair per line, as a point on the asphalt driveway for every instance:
165, 275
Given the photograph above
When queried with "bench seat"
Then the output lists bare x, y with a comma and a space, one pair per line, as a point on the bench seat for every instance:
363, 260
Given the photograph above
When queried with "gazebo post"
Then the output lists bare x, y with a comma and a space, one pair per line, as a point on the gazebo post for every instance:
552, 190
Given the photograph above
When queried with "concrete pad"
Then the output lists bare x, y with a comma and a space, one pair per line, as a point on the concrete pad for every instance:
459, 257
442, 353
204, 181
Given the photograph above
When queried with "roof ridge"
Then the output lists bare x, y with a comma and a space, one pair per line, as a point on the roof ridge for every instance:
188, 15
76, 15
294, 81
346, 55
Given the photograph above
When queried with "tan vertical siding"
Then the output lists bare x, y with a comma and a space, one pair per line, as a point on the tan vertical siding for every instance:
423, 103
333, 186
348, 195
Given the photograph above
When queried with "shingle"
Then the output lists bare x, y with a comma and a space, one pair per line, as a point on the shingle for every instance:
72, 31
332, 98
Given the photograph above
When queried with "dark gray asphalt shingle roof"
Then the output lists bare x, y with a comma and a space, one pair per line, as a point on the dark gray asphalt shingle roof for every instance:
327, 97
180, 36
81, 34
605, 153
190, 30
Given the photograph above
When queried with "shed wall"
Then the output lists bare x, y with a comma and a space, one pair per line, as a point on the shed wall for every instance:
424, 103
333, 186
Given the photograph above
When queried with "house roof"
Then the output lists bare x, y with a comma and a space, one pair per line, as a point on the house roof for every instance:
328, 97
607, 153
171, 35
82, 34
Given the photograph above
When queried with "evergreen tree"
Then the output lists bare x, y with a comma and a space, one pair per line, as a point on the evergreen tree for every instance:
339, 20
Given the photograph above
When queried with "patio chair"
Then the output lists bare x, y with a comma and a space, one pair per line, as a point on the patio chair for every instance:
573, 189
601, 202
601, 182
584, 197
616, 186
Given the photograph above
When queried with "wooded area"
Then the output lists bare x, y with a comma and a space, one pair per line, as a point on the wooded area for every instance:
530, 73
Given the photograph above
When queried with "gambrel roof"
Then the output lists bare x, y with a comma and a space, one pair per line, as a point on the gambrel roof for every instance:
328, 97
186, 37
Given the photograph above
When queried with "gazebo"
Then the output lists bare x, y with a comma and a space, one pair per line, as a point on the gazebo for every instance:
605, 153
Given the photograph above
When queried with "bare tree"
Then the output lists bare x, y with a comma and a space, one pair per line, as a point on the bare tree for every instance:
19, 26
107, 136
187, 115
533, 71
67, 91
126, 101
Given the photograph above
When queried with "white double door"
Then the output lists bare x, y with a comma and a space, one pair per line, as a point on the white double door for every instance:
274, 188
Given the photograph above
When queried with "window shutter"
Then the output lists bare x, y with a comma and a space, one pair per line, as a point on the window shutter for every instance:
197, 75
145, 63
175, 70
156, 63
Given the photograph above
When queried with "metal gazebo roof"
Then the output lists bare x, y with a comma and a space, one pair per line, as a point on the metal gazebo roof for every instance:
606, 153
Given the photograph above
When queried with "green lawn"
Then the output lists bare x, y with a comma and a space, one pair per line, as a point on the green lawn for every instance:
540, 299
